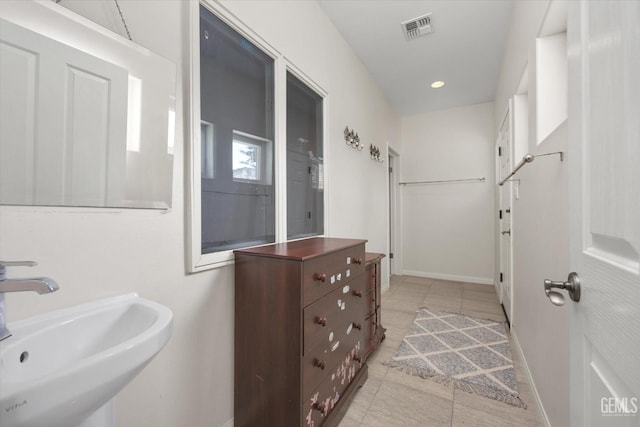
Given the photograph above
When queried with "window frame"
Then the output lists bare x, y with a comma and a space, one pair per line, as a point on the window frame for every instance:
195, 260
307, 81
264, 163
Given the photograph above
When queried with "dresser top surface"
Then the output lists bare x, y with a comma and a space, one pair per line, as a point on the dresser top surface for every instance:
373, 257
302, 249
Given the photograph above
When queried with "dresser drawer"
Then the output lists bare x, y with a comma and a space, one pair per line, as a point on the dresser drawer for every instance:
369, 302
324, 396
322, 275
348, 343
323, 318
369, 329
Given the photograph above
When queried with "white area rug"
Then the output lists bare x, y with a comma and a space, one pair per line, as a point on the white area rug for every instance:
472, 353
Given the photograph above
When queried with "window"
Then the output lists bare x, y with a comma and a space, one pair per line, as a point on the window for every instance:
237, 196
236, 96
305, 163
252, 159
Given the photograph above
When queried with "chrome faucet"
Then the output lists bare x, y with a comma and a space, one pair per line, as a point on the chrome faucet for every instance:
41, 285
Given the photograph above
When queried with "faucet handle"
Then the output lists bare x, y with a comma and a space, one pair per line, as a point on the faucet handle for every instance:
17, 263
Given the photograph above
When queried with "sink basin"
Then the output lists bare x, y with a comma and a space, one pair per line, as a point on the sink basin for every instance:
62, 368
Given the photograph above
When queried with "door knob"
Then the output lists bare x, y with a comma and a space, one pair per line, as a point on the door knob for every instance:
506, 232
572, 285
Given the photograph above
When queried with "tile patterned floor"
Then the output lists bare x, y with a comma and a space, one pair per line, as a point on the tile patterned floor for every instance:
391, 398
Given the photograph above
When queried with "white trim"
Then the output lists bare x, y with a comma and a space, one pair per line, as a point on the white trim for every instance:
327, 160
395, 222
280, 98
497, 205
236, 24
452, 277
304, 77
502, 201
195, 260
534, 390
193, 226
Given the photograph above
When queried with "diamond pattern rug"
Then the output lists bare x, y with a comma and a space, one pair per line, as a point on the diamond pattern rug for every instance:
473, 354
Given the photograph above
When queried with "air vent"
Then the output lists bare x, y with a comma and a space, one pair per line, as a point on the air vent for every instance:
417, 27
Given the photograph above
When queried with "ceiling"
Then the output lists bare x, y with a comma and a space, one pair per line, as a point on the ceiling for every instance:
464, 49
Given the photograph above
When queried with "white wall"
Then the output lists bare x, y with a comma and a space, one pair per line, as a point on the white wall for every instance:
526, 20
302, 32
95, 253
448, 228
540, 251
540, 228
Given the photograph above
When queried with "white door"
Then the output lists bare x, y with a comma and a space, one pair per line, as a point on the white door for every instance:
505, 162
64, 123
392, 214
604, 150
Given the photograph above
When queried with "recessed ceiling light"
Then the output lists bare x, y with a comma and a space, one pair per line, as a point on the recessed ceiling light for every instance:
437, 84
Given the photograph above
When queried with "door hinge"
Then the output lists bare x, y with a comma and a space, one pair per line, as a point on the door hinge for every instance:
500, 213
309, 170
501, 277
390, 169
499, 151
391, 255
309, 215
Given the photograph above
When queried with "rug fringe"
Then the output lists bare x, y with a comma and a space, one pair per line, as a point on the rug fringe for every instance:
461, 314
491, 393
446, 380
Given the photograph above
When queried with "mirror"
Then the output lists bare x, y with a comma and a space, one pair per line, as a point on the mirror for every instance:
87, 117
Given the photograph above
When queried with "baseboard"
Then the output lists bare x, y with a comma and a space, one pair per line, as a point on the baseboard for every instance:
453, 277
229, 423
534, 390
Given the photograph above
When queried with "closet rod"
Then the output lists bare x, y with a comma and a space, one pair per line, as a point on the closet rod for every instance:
528, 158
442, 181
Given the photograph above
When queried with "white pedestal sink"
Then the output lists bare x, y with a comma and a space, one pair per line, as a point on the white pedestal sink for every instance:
63, 369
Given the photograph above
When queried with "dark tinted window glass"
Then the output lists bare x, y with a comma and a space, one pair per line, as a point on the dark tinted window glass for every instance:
305, 163
236, 108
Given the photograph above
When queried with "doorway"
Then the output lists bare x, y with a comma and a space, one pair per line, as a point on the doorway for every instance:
505, 155
394, 214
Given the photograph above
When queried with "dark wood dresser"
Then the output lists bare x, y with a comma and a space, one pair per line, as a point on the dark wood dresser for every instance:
374, 332
299, 332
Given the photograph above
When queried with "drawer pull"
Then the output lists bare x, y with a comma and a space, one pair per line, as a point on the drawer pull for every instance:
321, 277
321, 408
319, 363
321, 321
357, 293
358, 326
357, 260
